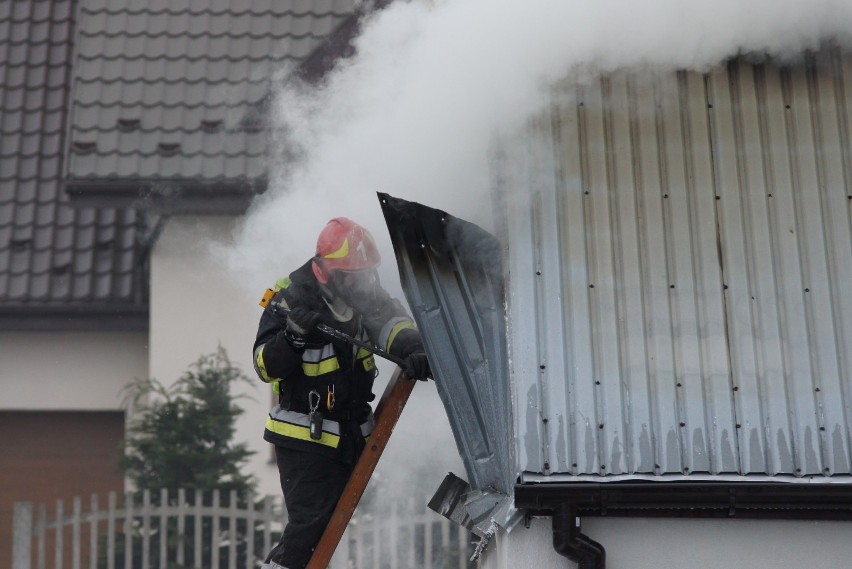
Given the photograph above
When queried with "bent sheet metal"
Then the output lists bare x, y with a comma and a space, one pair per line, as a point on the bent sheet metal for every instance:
452, 276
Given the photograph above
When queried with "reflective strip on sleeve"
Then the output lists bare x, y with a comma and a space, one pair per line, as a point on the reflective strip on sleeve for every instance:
393, 327
260, 366
297, 426
283, 284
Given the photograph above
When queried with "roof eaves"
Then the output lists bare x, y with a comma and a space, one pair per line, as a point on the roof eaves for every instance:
74, 318
172, 196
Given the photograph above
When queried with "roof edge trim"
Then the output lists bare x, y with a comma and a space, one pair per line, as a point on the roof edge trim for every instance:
173, 195
110, 318
692, 499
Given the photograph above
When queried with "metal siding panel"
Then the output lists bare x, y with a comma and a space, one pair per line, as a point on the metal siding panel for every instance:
783, 413
549, 311
743, 239
521, 268
697, 235
573, 220
630, 314
833, 125
647, 138
606, 349
817, 311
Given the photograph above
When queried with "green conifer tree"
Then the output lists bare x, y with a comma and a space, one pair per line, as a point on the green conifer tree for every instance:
182, 436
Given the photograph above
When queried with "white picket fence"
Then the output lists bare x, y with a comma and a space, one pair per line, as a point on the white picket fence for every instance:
217, 531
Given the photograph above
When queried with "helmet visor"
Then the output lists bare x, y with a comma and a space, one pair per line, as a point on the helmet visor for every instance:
357, 288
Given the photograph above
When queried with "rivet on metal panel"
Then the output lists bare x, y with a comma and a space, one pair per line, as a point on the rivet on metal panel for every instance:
601, 426
544, 420
671, 286
665, 196
736, 388
718, 197
597, 382
542, 366
807, 290
682, 424
591, 286
822, 428
817, 389
686, 470
586, 192
709, 105
769, 195
724, 286
538, 272
739, 426
680, 384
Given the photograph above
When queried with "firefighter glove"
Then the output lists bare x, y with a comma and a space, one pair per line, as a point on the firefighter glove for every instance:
302, 326
417, 366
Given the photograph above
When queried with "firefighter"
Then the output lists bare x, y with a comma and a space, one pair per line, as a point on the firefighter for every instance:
324, 386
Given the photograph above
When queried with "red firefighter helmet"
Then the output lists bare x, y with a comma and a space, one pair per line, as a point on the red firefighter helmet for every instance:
344, 245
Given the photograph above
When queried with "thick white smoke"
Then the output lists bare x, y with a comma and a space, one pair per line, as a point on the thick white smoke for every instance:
414, 111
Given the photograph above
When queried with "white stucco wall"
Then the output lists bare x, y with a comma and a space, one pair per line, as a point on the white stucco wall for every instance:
83, 371
194, 309
641, 543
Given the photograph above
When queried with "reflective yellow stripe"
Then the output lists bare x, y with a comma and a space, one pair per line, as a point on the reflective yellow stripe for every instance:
261, 366
300, 432
369, 363
323, 367
282, 283
404, 325
340, 253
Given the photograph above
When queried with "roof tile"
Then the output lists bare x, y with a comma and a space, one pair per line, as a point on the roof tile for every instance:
173, 63
40, 237
160, 88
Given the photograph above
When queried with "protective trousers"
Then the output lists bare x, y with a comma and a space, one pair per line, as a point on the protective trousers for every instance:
312, 484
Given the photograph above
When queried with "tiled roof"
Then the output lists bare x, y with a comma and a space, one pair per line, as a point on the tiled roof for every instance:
56, 263
156, 104
163, 89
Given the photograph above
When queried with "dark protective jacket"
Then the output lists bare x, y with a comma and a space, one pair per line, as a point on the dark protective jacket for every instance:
340, 373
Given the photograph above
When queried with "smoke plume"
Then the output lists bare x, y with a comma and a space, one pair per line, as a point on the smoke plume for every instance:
412, 113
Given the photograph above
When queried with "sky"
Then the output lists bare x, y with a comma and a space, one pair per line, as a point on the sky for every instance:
414, 112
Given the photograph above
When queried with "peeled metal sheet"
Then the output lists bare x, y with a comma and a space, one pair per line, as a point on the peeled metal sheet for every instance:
452, 277
679, 251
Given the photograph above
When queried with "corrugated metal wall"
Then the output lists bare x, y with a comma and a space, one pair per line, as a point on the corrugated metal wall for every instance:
680, 273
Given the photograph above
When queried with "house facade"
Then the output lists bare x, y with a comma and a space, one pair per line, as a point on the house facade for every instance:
658, 373
126, 128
